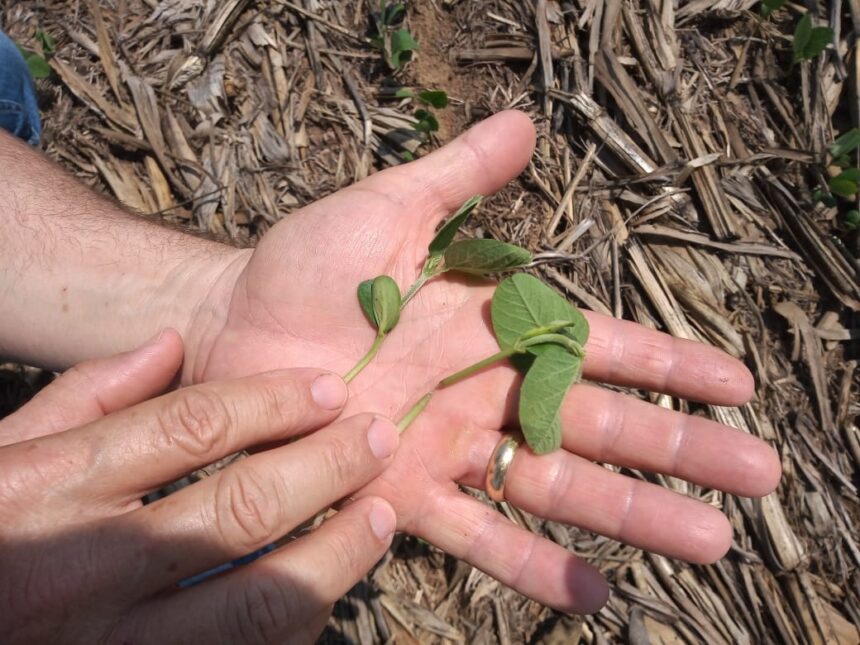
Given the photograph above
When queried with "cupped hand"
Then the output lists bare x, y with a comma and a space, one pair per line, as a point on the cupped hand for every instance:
292, 302
81, 561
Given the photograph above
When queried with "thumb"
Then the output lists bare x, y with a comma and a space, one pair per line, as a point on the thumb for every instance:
480, 161
91, 390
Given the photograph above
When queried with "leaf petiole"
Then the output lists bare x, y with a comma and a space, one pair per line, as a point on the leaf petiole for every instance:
468, 371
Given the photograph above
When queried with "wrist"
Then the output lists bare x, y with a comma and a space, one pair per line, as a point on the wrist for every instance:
211, 283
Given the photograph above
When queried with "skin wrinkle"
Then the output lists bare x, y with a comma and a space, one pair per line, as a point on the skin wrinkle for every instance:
681, 436
616, 348
94, 392
668, 374
527, 555
476, 538
241, 521
214, 324
560, 479
628, 498
612, 424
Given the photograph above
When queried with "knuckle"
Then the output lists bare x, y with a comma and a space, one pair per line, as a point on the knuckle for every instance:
344, 550
559, 483
259, 611
284, 404
339, 462
195, 420
246, 508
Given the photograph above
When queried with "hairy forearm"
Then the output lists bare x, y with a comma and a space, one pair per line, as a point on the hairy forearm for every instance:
80, 277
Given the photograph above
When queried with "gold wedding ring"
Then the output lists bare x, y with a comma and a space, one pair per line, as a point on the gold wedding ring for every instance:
497, 468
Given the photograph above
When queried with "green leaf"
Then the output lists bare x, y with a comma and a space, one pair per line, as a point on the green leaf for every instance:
818, 41
810, 41
366, 300
403, 93
852, 220
845, 184
446, 234
542, 394
845, 143
47, 42
402, 46
522, 303
392, 14
802, 33
427, 122
481, 257
38, 66
436, 98
769, 6
823, 196
385, 295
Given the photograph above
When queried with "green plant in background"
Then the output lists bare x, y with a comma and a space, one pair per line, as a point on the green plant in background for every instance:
846, 184
808, 41
427, 121
38, 63
396, 43
535, 327
767, 7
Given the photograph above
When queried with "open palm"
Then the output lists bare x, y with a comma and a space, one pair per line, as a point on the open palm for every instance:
293, 303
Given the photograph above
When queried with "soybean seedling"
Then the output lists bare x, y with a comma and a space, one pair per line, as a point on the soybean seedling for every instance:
380, 297
544, 336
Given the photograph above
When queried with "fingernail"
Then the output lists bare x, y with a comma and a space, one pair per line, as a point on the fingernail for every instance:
383, 520
329, 391
382, 437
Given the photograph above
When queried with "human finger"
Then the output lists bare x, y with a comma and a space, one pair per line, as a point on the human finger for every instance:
93, 389
271, 599
566, 488
480, 161
257, 500
627, 354
619, 429
111, 463
470, 530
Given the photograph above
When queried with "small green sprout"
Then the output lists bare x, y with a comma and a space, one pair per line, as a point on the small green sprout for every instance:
535, 324
769, 6
396, 43
38, 63
380, 297
809, 41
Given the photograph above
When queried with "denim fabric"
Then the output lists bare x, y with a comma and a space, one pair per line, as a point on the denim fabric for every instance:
19, 113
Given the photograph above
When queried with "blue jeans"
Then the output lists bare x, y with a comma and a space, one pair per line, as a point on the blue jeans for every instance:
19, 113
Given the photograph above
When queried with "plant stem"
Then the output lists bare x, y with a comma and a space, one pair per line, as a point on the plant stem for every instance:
410, 293
464, 373
413, 412
535, 337
355, 371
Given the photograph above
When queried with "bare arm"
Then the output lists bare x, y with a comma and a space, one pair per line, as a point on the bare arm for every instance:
82, 278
